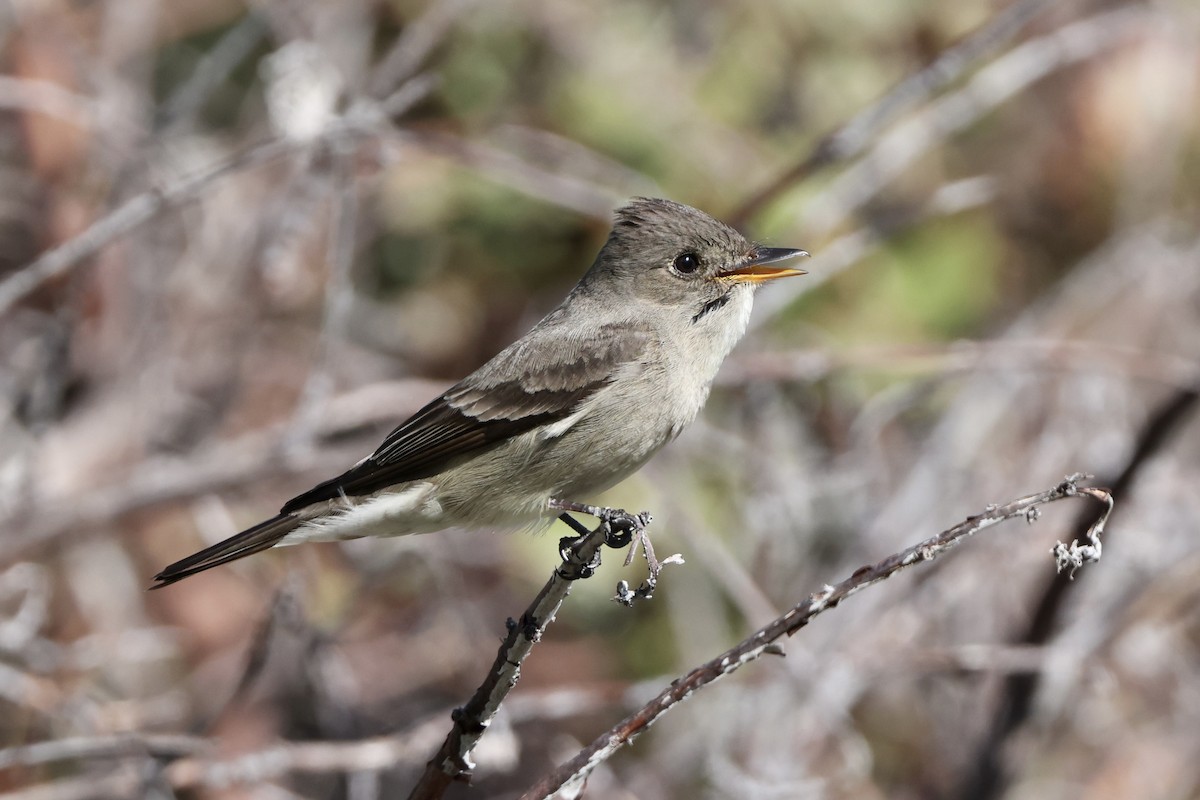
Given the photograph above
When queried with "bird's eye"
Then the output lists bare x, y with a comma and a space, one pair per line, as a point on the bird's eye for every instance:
687, 263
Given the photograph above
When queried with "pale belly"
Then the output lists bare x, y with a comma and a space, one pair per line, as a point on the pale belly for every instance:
617, 432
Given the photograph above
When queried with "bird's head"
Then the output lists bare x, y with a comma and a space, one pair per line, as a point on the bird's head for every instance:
672, 255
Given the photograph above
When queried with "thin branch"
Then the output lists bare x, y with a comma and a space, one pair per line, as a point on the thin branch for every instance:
849, 249
130, 215
553, 185
1119, 361
142, 208
220, 467
453, 760
156, 481
381, 752
29, 692
576, 771
116, 746
891, 153
988, 777
853, 138
193, 767
213, 69
409, 94
339, 298
895, 151
125, 781
46, 97
416, 42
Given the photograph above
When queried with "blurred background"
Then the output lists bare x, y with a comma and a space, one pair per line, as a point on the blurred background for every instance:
240, 241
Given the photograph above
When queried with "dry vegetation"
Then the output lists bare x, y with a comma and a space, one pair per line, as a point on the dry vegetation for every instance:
237, 242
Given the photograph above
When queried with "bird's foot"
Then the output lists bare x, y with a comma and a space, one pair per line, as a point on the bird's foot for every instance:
621, 529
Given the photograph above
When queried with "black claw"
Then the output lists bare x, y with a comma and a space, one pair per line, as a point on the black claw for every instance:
565, 545
618, 539
621, 526
576, 572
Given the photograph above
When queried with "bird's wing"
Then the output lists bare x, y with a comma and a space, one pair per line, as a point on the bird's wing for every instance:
536, 381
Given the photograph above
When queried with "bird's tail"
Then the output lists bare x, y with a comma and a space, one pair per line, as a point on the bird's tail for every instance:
252, 540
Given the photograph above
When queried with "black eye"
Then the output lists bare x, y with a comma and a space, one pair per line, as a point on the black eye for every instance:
687, 263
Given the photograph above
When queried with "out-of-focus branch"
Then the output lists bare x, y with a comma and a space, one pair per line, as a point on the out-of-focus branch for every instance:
381, 752
853, 138
213, 67
576, 771
195, 761
453, 760
44, 97
415, 43
27, 691
130, 215
893, 152
1060, 355
988, 779
849, 249
196, 765
221, 467
568, 191
156, 481
145, 206
115, 746
339, 296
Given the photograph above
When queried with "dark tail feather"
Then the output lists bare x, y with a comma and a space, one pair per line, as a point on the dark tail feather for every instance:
252, 540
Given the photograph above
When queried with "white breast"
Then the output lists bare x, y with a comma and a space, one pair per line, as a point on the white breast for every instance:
697, 356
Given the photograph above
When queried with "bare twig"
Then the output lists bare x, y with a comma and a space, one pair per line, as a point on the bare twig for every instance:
453, 760
849, 249
895, 151
192, 767
29, 692
381, 752
997, 355
409, 94
114, 746
552, 185
125, 781
988, 778
339, 297
891, 153
131, 214
415, 43
220, 467
213, 68
575, 771
154, 482
195, 762
44, 97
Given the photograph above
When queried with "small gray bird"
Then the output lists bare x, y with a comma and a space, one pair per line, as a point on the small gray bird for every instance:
580, 402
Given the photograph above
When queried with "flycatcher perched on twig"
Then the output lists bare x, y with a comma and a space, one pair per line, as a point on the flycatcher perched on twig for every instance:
580, 402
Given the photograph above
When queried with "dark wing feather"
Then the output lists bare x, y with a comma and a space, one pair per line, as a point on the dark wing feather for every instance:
486, 409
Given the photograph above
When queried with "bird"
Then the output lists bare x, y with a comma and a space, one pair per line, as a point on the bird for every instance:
581, 401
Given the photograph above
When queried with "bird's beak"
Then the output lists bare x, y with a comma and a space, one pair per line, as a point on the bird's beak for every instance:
756, 269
